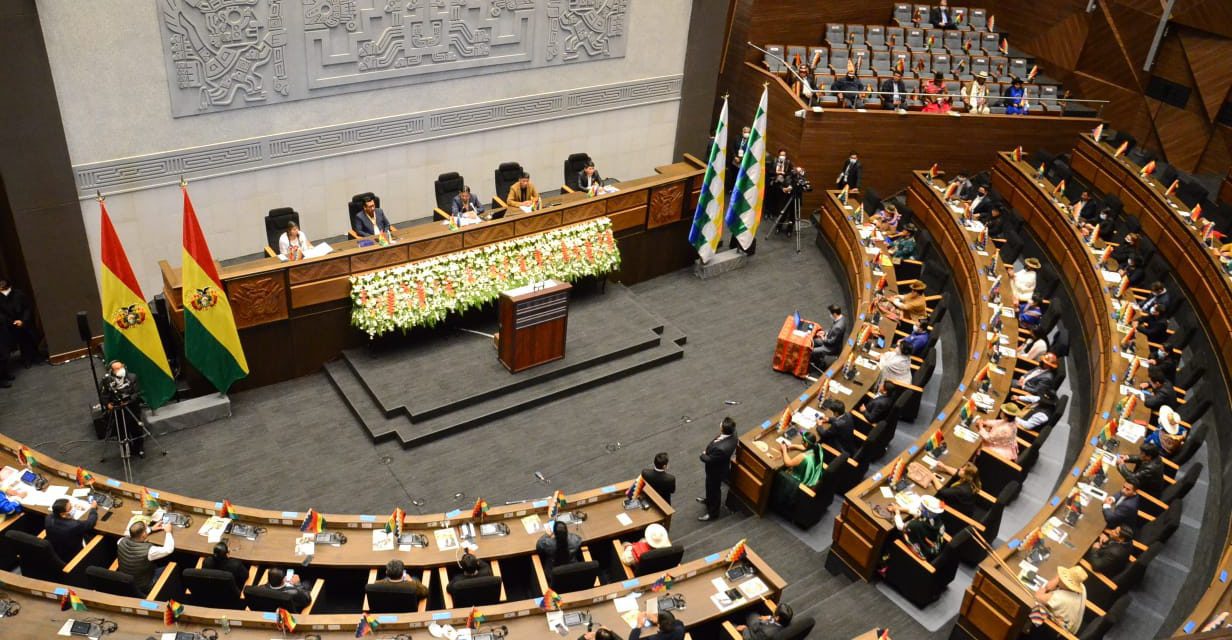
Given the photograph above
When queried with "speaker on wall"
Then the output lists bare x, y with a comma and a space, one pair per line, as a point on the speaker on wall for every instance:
1225, 114
1168, 92
83, 327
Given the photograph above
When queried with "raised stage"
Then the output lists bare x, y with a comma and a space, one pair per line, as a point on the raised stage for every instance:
422, 390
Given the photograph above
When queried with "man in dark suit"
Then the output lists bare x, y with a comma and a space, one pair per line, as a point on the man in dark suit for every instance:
221, 560
17, 316
849, 176
300, 597
1154, 326
767, 627
1159, 297
588, 178
1040, 379
395, 574
877, 407
472, 569
1122, 507
779, 182
1110, 553
982, 202
941, 17
466, 204
66, 535
659, 479
1148, 469
371, 219
840, 428
1158, 392
666, 627
893, 91
830, 342
717, 459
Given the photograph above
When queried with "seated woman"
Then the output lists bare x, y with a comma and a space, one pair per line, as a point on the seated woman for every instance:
1030, 312
895, 364
559, 548
798, 468
1034, 347
933, 102
1171, 434
655, 537
221, 560
1014, 102
903, 245
293, 243
1000, 435
887, 219
924, 532
963, 486
909, 308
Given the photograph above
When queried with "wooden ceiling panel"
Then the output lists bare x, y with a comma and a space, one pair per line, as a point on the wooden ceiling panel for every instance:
1102, 56
1218, 156
1126, 109
1135, 30
1213, 16
1060, 44
1184, 135
1210, 63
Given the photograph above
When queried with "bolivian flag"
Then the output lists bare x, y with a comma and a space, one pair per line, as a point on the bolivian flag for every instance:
129, 332
211, 342
70, 601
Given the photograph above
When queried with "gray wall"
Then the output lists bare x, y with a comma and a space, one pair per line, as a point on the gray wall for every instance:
110, 73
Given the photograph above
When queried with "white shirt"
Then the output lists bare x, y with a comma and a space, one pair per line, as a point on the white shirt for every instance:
896, 367
1036, 349
1023, 285
284, 244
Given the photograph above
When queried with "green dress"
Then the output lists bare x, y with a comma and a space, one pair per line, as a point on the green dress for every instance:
783, 491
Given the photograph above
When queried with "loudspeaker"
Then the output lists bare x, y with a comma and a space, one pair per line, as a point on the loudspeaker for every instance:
83, 327
1225, 114
1167, 92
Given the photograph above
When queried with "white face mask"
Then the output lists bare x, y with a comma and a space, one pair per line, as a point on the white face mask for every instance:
119, 373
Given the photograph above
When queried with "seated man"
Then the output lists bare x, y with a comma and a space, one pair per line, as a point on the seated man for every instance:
300, 597
136, 555
523, 193
472, 567
894, 92
877, 407
982, 201
395, 574
912, 307
1040, 379
917, 340
66, 535
659, 479
830, 342
1159, 392
1148, 469
1035, 416
466, 205
941, 17
371, 220
666, 627
588, 179
760, 627
848, 90
1154, 326
839, 429
1158, 297
976, 94
1110, 553
1122, 507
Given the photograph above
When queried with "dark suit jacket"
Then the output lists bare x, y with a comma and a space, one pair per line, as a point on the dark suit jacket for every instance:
718, 455
231, 566
1123, 512
1161, 299
934, 17
579, 182
887, 89
1155, 328
363, 226
1148, 476
984, 205
1044, 381
1165, 395
675, 633
300, 597
16, 306
853, 172
663, 482
762, 630
877, 409
841, 432
1165, 367
1110, 559
67, 535
772, 162
832, 342
456, 207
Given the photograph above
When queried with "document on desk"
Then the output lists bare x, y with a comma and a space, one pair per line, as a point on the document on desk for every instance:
319, 249
446, 539
532, 524
624, 519
753, 588
213, 528
305, 545
382, 540
627, 603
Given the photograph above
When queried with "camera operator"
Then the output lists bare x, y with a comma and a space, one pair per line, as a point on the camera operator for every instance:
119, 389
793, 187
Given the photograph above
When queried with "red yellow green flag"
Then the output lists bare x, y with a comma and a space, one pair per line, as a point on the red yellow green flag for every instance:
70, 601
84, 478
211, 341
129, 332
286, 621
172, 613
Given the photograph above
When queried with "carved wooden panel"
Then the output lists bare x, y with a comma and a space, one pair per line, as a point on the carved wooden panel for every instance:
535, 224
588, 211
317, 270
258, 299
487, 234
377, 259
436, 246
625, 201
666, 205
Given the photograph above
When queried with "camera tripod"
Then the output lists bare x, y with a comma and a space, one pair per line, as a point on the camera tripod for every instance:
121, 422
790, 208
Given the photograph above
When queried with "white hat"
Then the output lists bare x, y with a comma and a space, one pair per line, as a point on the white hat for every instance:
656, 537
1169, 420
932, 505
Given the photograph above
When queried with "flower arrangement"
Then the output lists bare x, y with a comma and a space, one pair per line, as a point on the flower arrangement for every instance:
423, 293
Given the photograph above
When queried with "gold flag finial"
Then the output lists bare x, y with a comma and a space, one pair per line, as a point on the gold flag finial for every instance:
725, 96
98, 195
183, 182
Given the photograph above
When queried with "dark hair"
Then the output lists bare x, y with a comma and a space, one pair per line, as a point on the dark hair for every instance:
784, 614
137, 530
368, 199
1047, 397
590, 164
938, 76
666, 621
1149, 450
603, 633
904, 348
728, 427
1124, 532
291, 225
60, 506
524, 175
1156, 376
469, 564
465, 189
220, 554
276, 576
561, 533
394, 569
660, 460
1157, 286
835, 406
853, 153
781, 150
836, 310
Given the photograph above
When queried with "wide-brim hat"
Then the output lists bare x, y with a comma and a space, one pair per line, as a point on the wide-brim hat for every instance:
1049, 360
918, 286
1011, 409
982, 74
656, 537
932, 505
1032, 263
1169, 420
1072, 577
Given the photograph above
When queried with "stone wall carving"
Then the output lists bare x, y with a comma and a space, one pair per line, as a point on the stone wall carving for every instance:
229, 54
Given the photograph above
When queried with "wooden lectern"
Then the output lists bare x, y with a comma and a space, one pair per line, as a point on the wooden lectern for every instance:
533, 323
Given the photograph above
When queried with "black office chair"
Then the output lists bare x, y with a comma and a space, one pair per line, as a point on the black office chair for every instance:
1179, 489
36, 557
919, 581
503, 178
113, 582
807, 507
988, 515
1194, 442
356, 205
211, 588
475, 592
275, 225
1094, 628
573, 165
575, 576
1130, 577
657, 560
447, 187
1163, 526
267, 598
385, 597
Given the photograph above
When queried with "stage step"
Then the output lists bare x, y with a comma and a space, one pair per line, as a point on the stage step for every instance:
359, 400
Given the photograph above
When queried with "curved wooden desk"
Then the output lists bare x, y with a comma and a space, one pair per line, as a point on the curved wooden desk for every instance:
996, 605
40, 615
860, 536
277, 545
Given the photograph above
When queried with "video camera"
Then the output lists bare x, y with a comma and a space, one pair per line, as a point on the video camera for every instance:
797, 182
117, 390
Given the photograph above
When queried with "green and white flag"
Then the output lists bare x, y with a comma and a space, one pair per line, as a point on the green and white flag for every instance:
744, 212
707, 229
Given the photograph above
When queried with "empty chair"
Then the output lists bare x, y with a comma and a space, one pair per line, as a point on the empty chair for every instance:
922, 64
855, 36
875, 37
276, 224
961, 17
836, 35
387, 597
915, 39
902, 14
447, 186
977, 19
989, 41
881, 62
920, 14
971, 43
1192, 443
574, 165
1163, 526
988, 515
1103, 596
1018, 68
818, 58
1190, 191
941, 63
838, 61
1179, 489
211, 588
36, 557
773, 58
824, 96
920, 581
479, 591
575, 576
796, 56
113, 582
913, 89
953, 41
935, 39
504, 177
1191, 412
1097, 627
266, 598
862, 60
894, 37
657, 560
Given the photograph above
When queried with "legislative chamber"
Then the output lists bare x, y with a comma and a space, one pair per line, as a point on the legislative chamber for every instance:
748, 320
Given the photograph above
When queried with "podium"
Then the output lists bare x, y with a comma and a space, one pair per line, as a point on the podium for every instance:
793, 348
533, 323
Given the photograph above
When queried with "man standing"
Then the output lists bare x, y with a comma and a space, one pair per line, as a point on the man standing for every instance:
119, 389
66, 535
850, 175
17, 316
893, 91
659, 479
717, 458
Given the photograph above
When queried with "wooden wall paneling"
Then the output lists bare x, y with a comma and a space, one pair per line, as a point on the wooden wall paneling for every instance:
658, 252
1184, 135
1214, 16
324, 333
536, 223
435, 247
1210, 63
369, 260
593, 210
1104, 58
1058, 43
666, 205
1217, 158
317, 270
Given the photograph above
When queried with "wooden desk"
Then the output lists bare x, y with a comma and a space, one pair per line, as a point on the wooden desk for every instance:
860, 536
304, 307
754, 470
41, 617
996, 605
277, 545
